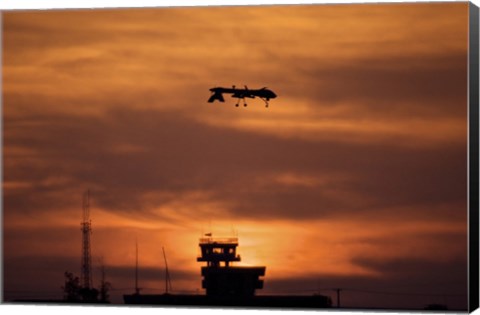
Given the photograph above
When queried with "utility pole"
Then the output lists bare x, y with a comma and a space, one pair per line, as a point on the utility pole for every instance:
338, 297
137, 289
86, 228
104, 285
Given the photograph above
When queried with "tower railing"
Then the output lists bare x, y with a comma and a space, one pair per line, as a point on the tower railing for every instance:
221, 240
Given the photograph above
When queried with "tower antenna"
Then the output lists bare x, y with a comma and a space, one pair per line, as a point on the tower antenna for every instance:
86, 227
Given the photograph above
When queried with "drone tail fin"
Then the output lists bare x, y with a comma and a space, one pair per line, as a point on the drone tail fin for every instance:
216, 96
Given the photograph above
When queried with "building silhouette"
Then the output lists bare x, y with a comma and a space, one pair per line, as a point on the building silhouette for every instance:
229, 285
222, 279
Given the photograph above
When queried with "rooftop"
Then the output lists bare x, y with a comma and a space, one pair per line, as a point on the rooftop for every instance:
219, 240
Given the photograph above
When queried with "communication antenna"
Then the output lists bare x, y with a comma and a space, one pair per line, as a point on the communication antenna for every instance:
168, 284
137, 289
86, 227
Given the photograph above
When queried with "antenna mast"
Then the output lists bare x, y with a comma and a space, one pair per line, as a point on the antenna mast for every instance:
137, 289
86, 227
168, 284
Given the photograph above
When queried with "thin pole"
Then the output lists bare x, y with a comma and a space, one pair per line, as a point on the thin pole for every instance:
338, 297
167, 275
137, 290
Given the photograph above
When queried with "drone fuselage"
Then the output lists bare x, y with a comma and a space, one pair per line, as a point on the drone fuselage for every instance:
263, 93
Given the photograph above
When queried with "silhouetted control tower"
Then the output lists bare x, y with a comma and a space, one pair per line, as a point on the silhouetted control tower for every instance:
228, 285
223, 279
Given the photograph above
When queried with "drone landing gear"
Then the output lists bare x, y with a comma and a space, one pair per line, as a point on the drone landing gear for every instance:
242, 100
244, 103
266, 102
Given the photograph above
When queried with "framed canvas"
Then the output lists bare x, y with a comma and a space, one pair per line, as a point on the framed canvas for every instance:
249, 156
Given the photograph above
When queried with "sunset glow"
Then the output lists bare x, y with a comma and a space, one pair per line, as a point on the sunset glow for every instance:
355, 177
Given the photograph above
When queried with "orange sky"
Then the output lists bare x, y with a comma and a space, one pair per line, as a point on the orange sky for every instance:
355, 176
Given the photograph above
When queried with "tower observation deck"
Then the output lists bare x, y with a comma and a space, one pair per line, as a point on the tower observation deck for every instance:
220, 278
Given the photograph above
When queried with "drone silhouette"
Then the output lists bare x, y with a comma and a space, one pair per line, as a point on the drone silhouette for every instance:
264, 94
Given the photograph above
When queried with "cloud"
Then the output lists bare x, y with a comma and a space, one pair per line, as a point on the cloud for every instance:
177, 156
362, 156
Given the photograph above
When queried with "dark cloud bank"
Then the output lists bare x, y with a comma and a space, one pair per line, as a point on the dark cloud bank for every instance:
131, 152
